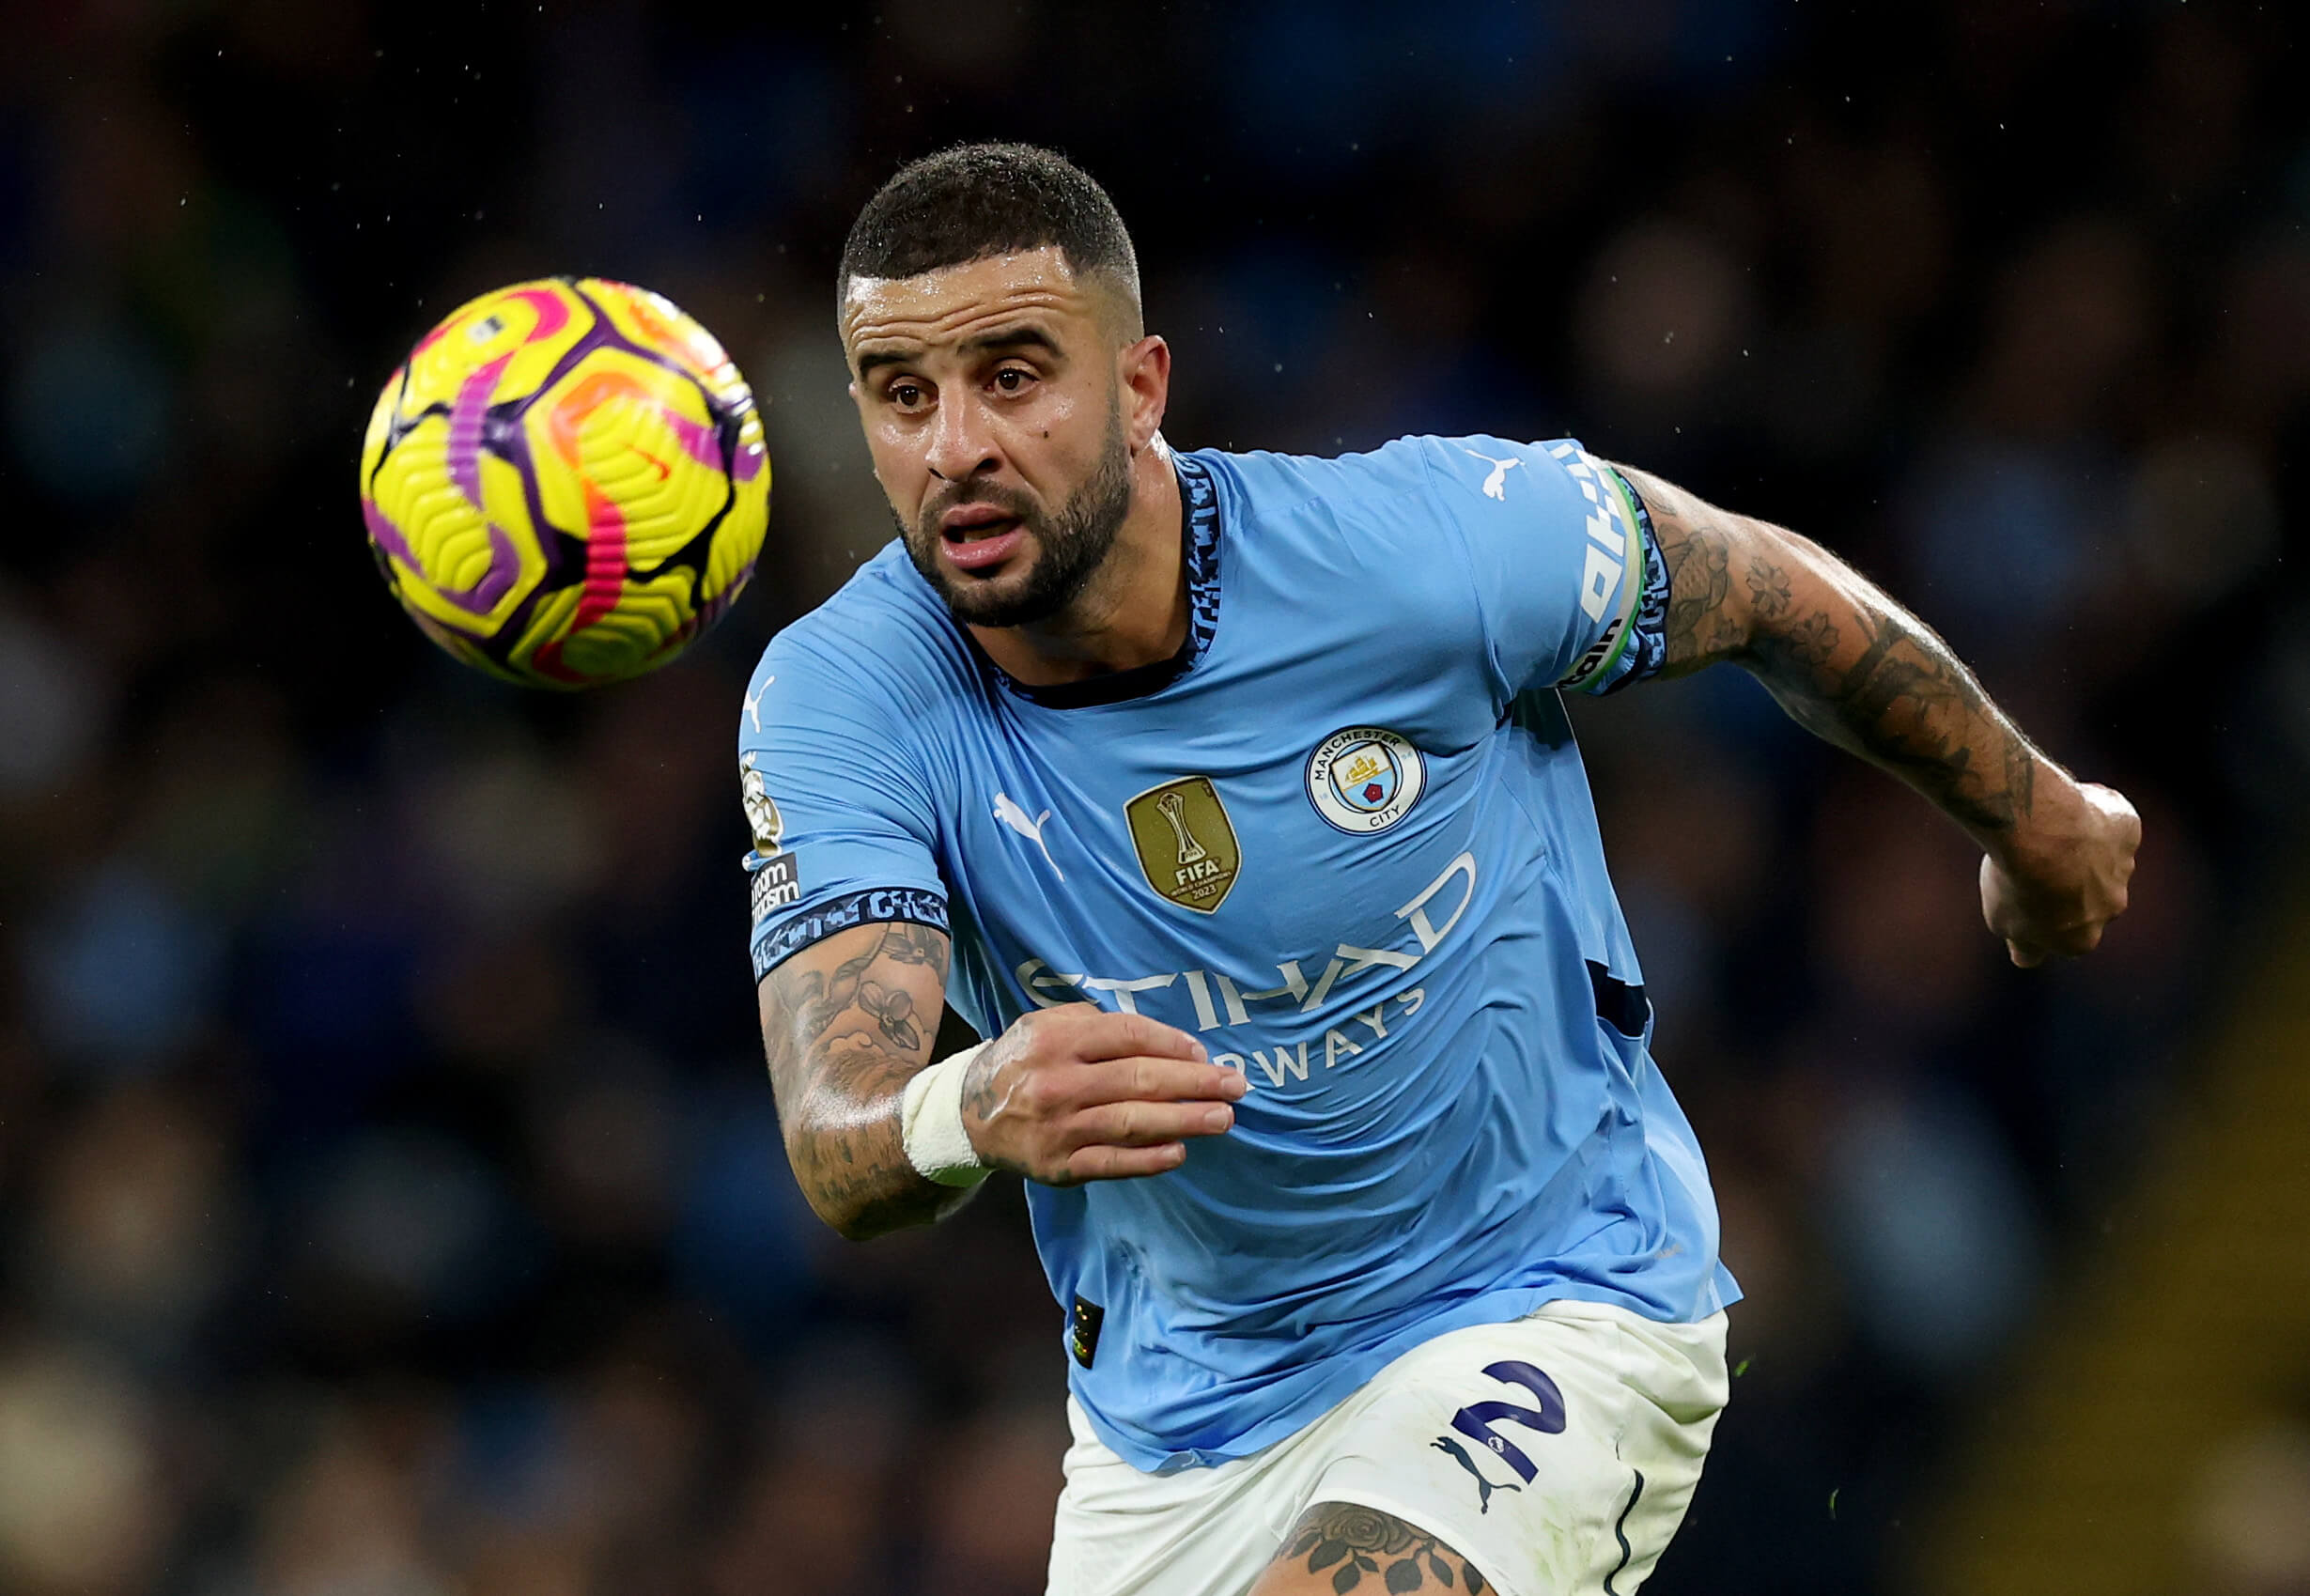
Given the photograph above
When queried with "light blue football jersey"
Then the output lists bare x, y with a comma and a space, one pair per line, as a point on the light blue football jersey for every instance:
1345, 837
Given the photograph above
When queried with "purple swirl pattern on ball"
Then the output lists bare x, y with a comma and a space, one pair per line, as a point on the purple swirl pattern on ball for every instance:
535, 565
467, 417
467, 420
385, 534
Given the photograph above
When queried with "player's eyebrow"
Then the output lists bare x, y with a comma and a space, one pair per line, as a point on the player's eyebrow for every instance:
1010, 338
1002, 340
872, 358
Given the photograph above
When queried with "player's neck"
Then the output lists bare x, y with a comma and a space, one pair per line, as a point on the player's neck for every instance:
1133, 611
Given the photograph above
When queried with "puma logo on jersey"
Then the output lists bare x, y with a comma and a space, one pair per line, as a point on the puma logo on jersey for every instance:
753, 703
1007, 810
1496, 485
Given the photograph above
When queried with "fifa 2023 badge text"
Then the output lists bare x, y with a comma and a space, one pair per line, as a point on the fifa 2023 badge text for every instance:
1186, 842
1214, 1001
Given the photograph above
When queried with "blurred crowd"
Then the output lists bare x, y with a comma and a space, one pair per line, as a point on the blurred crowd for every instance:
391, 1200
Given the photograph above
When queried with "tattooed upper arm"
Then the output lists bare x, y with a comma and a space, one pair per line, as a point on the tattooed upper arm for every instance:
1708, 612
845, 1023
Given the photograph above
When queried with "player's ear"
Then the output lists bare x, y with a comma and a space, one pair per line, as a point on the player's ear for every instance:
1145, 370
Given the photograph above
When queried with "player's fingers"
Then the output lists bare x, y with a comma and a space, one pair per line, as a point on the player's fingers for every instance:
1160, 1081
2116, 805
1998, 906
1100, 1035
1134, 1123
1105, 1163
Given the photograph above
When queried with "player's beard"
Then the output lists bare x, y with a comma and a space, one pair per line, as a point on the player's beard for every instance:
1070, 546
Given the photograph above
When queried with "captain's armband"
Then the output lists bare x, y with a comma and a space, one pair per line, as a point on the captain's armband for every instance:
1624, 583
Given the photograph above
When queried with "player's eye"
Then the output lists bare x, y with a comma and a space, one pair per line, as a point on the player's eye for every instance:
906, 395
1012, 378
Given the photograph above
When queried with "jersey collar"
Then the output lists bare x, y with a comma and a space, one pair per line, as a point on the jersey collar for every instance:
1200, 499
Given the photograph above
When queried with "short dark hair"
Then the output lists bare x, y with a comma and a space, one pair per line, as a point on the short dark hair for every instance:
977, 200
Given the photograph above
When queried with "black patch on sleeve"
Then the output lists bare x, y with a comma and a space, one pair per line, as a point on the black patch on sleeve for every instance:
1622, 1007
777, 885
1084, 1329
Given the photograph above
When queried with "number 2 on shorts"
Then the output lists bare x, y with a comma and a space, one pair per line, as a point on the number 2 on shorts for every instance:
1475, 1420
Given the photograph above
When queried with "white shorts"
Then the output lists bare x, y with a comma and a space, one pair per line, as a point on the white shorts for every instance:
1556, 1453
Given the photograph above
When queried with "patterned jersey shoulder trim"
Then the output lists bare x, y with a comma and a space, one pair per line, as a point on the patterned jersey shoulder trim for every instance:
874, 906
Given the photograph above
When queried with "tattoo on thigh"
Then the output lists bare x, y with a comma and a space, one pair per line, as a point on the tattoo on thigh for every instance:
1352, 1542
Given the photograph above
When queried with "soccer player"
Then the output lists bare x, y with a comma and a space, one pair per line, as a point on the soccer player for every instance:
1232, 798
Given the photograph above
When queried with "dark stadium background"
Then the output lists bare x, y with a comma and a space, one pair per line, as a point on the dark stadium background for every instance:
390, 1198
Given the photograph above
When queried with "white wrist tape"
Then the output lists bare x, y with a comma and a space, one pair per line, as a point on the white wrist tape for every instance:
930, 1120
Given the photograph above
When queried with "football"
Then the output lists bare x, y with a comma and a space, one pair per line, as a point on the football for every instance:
564, 483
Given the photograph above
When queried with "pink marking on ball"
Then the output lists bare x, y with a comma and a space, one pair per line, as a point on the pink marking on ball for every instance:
552, 308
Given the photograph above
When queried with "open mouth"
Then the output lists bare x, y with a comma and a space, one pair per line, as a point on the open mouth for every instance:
975, 537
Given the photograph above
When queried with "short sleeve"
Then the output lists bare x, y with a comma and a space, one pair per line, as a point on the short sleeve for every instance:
840, 817
1568, 574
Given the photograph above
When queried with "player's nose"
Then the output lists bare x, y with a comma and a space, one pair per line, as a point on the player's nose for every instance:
962, 444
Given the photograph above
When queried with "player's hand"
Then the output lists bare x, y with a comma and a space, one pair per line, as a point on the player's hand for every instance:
2064, 879
1075, 1093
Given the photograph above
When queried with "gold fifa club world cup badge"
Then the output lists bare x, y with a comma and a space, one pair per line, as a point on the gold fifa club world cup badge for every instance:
1186, 842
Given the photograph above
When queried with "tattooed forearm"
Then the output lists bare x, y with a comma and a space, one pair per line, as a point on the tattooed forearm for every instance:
847, 1023
1895, 694
1841, 656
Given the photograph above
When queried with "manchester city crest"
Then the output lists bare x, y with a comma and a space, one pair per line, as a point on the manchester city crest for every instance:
1364, 779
